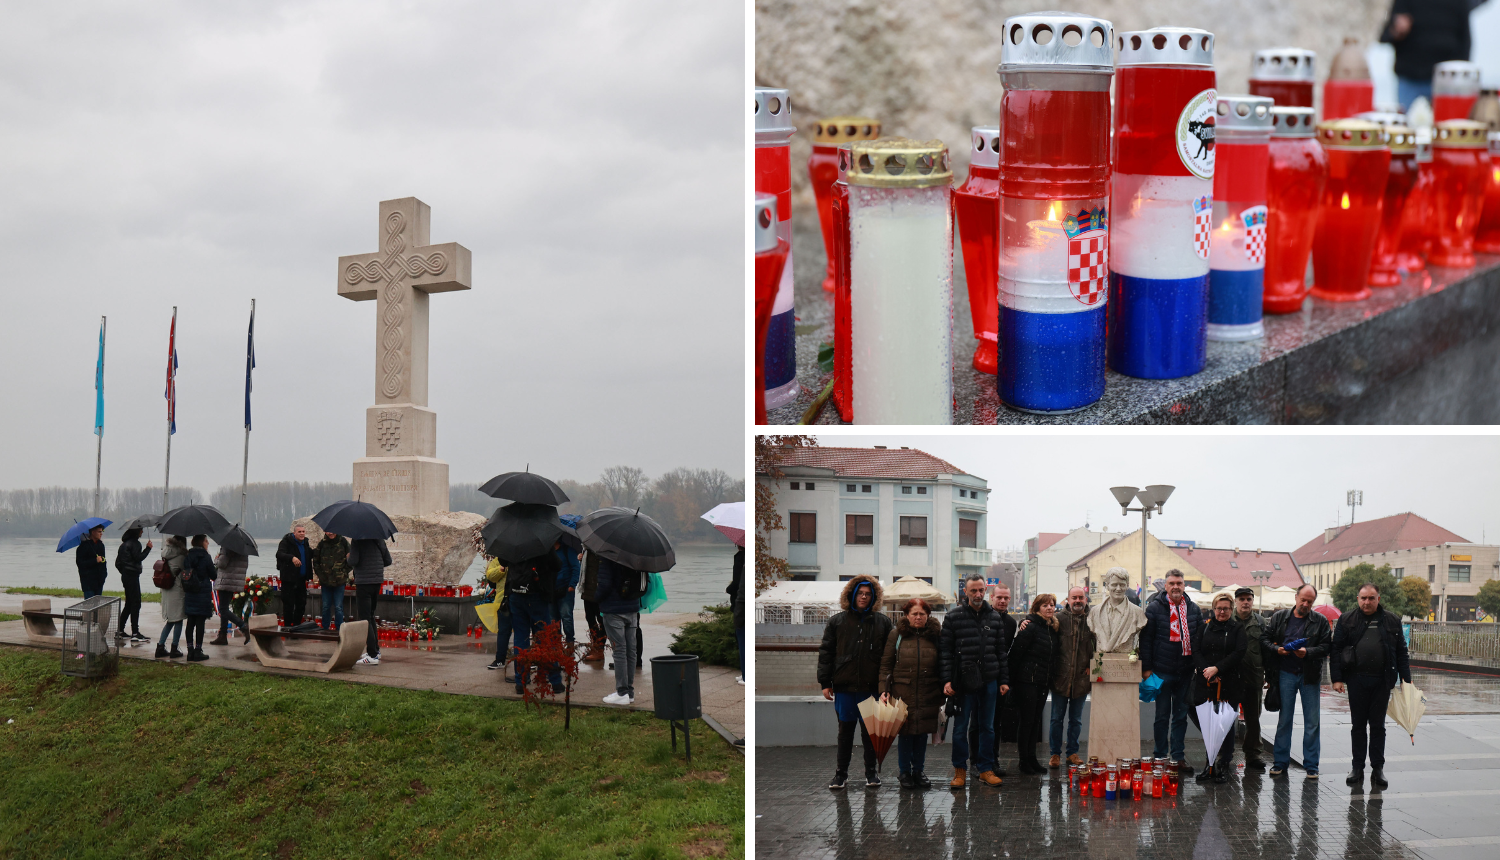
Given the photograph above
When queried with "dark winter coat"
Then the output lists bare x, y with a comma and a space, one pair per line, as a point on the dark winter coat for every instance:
1036, 651
911, 674
1439, 31
568, 570
291, 574
854, 642
588, 587
1159, 654
368, 559
1072, 676
613, 577
331, 561
1319, 643
1220, 644
1351, 627
198, 575
974, 637
1254, 664
130, 557
233, 568
736, 589
91, 571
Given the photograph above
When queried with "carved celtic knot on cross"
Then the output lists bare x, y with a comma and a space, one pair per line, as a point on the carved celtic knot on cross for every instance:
391, 270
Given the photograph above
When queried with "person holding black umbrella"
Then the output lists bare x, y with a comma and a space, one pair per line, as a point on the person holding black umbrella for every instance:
92, 566
129, 559
198, 575
529, 588
294, 564
368, 559
619, 590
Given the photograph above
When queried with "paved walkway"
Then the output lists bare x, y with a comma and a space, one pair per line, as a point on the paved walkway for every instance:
453, 664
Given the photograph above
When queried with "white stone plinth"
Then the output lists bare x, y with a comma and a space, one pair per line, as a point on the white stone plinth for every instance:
402, 486
400, 430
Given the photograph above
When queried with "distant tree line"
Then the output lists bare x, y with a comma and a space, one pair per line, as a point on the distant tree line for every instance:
49, 511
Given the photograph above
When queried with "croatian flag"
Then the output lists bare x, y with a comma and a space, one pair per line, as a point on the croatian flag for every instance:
249, 364
99, 386
171, 394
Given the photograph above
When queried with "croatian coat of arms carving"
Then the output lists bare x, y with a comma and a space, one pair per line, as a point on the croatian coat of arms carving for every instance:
388, 430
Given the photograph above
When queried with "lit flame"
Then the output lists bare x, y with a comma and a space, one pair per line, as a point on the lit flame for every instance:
1344, 204
1497, 176
1054, 211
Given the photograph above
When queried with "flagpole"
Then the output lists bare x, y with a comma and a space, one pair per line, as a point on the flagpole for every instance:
166, 481
249, 363
99, 452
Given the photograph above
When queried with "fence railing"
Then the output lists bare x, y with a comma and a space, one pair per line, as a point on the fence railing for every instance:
1474, 639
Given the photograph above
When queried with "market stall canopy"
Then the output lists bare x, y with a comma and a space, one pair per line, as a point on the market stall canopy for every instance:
908, 587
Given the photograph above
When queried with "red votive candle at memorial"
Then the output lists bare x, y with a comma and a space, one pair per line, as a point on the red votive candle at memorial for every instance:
1348, 90
1416, 227
1403, 175
977, 202
823, 170
843, 339
1487, 234
1294, 187
773, 175
1455, 88
1285, 75
770, 257
1359, 163
1460, 168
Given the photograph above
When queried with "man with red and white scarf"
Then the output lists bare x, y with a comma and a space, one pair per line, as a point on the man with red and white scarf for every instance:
1167, 652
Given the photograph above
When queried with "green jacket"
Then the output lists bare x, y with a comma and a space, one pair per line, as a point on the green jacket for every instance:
1252, 662
331, 561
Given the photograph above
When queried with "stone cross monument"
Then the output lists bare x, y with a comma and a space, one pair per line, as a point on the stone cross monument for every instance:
400, 472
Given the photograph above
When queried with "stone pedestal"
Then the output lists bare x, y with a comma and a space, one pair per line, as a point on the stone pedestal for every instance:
402, 486
436, 548
1115, 709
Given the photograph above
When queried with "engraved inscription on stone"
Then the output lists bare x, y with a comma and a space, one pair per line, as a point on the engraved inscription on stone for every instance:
388, 430
387, 480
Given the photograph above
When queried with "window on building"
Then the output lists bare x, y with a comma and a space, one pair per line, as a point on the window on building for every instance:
921, 491
1458, 573
926, 579
1194, 583
864, 488
914, 531
1275, 565
849, 488
963, 494
1399, 572
796, 485
968, 532
859, 529
1235, 565
1432, 573
804, 528
906, 491
974, 495
811, 486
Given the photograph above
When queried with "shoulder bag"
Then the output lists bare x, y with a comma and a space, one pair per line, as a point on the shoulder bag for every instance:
161, 575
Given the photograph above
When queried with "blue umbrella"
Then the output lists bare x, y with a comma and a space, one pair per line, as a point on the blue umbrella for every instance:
355, 521
571, 539
74, 536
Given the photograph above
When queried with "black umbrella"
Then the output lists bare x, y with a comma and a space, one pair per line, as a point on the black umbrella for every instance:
142, 522
237, 540
190, 520
355, 521
524, 487
520, 531
628, 537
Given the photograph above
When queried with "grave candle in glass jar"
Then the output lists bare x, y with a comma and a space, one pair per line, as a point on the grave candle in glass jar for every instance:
1359, 164
1149, 785
978, 207
770, 256
1285, 75
1487, 234
1098, 780
1455, 88
1416, 232
1085, 783
1111, 783
823, 170
1161, 196
1403, 145
1460, 169
1137, 785
843, 343
773, 175
1054, 225
901, 281
1237, 259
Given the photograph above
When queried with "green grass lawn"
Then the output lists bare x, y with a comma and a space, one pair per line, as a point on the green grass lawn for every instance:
185, 760
149, 594
6, 616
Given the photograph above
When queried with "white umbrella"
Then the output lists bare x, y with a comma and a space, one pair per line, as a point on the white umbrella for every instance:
729, 519
907, 587
1216, 721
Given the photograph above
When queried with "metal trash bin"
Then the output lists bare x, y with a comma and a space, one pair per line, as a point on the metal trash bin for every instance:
89, 647
675, 694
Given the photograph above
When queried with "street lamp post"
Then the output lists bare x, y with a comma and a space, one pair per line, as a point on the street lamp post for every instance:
1152, 498
1262, 578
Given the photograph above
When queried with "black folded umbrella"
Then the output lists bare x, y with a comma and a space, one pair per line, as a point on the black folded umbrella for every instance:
355, 521
520, 531
142, 522
190, 520
237, 540
628, 537
524, 487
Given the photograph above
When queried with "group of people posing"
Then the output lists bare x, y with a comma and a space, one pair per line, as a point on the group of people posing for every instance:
994, 674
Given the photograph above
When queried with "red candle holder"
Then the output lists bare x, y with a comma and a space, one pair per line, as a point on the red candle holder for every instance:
823, 170
977, 202
1403, 145
843, 338
1416, 229
1359, 163
1460, 169
773, 175
1455, 88
1294, 188
770, 257
1286, 75
1348, 90
1487, 234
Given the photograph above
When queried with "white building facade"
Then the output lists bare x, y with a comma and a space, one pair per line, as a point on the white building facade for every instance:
1047, 570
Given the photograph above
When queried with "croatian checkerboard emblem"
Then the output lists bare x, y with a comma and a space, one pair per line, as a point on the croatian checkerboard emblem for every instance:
1088, 255
1203, 213
1255, 234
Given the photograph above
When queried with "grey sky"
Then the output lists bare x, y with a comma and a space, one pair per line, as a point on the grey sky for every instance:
1273, 492
195, 154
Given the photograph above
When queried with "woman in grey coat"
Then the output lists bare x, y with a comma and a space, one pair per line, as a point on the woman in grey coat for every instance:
174, 553
233, 568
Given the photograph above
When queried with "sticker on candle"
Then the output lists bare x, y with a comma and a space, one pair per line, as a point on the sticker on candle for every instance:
1203, 216
1255, 234
1195, 134
1088, 255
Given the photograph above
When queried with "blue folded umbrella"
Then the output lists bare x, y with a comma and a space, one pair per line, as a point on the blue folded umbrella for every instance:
1150, 687
1295, 644
74, 536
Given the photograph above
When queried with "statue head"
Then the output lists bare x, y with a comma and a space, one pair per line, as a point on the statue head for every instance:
1116, 580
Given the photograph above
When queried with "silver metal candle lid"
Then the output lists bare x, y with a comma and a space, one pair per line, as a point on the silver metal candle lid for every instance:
986, 143
1494, 143
1243, 113
764, 228
1383, 117
1165, 46
773, 113
1050, 40
1284, 64
1455, 78
1292, 122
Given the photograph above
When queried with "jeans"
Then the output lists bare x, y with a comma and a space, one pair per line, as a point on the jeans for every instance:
227, 616
529, 615
562, 610
1291, 687
1253, 698
1171, 707
364, 606
195, 625
978, 705
176, 629
503, 632
1407, 91
1368, 699
622, 631
1074, 709
293, 602
911, 752
333, 600
846, 742
132, 610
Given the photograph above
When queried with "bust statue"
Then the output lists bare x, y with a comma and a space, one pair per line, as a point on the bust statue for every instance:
1116, 622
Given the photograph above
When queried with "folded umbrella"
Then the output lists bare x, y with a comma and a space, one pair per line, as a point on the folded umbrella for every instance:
628, 537
524, 487
729, 519
142, 522
190, 520
355, 521
520, 531
74, 535
1406, 707
1216, 722
237, 540
883, 722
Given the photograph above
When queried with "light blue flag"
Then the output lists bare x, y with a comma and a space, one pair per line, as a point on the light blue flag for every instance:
99, 386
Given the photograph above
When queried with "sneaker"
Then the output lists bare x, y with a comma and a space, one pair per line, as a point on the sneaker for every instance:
616, 699
497, 664
921, 780
906, 782
137, 637
838, 782
367, 660
739, 679
872, 779
1312, 775
1278, 770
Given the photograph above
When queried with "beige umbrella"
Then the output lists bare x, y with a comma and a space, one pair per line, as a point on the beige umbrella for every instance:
908, 587
1406, 707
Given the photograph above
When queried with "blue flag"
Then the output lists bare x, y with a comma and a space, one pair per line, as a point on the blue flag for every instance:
249, 363
99, 386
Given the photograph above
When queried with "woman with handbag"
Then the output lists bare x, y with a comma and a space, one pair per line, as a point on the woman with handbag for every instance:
1218, 648
173, 554
198, 575
909, 672
1037, 647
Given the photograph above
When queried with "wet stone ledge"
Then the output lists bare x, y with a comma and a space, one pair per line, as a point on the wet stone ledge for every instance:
1424, 352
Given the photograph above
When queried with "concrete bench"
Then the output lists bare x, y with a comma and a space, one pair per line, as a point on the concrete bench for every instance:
269, 643
41, 621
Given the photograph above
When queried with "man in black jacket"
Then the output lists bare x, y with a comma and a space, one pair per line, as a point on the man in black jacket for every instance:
849, 669
1298, 674
91, 563
1372, 638
974, 666
1166, 650
1007, 713
1425, 33
294, 565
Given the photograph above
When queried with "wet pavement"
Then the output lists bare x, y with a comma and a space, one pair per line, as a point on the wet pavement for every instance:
1440, 803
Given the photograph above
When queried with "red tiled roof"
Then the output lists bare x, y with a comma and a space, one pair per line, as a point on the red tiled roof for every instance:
1401, 531
1047, 539
872, 462
1214, 564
